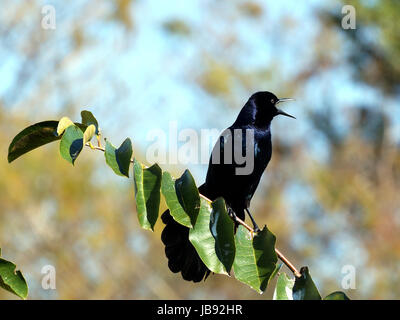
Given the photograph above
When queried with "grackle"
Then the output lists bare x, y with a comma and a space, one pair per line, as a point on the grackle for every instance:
237, 162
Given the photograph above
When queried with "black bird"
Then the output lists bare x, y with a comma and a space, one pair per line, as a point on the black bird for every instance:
238, 160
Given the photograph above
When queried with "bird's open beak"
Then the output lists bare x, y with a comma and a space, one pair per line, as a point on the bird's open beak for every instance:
279, 111
284, 100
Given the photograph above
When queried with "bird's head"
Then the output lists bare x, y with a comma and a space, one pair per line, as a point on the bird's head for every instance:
266, 105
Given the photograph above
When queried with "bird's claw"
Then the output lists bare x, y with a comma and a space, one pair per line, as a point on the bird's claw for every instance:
232, 214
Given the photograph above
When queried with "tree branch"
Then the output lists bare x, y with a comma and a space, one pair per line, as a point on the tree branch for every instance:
278, 253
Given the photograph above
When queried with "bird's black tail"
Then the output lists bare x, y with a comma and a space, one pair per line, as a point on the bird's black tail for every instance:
182, 256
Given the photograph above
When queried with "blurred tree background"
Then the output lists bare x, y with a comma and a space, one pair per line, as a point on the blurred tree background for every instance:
330, 193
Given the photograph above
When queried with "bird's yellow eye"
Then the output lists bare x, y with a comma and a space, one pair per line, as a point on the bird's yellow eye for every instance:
272, 101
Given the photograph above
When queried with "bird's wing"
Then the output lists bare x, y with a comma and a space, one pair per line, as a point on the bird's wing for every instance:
220, 170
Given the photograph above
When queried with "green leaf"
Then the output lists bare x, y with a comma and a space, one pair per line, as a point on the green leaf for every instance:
71, 143
304, 287
222, 229
182, 198
147, 193
255, 258
276, 270
284, 287
204, 242
88, 119
32, 137
12, 280
188, 195
63, 124
337, 295
119, 159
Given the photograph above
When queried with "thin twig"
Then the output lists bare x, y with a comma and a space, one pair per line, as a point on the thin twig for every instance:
98, 148
287, 263
278, 253
95, 147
